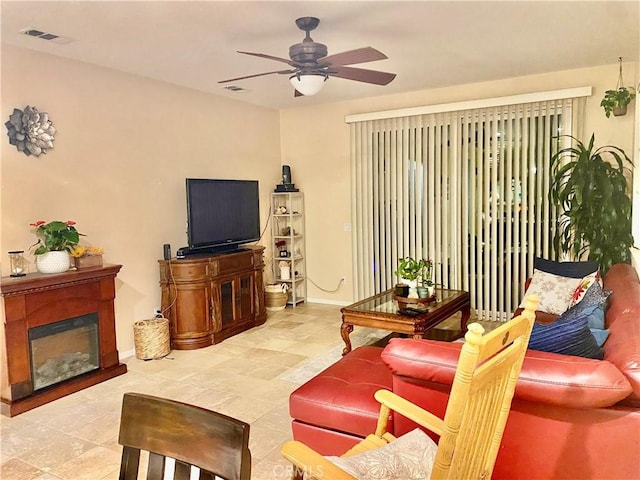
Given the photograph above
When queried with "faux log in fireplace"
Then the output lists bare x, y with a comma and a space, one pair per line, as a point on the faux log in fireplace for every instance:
59, 335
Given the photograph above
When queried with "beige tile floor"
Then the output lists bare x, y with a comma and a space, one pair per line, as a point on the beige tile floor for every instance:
248, 376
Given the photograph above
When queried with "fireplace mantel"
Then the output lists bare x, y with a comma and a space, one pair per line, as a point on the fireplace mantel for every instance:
41, 299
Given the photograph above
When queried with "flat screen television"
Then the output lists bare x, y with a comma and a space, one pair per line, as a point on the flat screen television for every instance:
221, 214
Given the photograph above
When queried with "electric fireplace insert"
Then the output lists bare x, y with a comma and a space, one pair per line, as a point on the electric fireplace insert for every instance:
63, 350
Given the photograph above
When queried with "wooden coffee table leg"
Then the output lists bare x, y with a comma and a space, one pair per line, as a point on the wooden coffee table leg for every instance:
418, 330
464, 318
345, 330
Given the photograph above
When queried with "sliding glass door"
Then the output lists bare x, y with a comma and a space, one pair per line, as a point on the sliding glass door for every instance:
467, 189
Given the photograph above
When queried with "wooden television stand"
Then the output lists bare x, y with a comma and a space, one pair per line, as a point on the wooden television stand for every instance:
210, 297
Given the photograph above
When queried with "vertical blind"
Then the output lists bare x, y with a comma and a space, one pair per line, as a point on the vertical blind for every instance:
466, 189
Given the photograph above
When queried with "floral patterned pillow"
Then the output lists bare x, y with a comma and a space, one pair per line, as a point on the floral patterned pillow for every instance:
555, 292
409, 457
584, 285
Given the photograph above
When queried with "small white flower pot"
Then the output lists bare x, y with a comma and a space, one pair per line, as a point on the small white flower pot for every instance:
53, 262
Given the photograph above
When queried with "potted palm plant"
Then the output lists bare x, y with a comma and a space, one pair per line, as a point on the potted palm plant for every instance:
590, 189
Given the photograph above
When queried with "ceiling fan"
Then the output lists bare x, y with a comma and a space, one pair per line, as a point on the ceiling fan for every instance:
312, 66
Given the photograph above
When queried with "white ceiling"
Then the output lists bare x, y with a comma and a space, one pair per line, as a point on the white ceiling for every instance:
429, 44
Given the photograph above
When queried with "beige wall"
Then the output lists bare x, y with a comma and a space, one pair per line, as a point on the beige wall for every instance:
125, 145
315, 142
123, 149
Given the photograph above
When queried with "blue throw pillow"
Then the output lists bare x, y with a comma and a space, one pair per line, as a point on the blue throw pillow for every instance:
568, 335
600, 335
595, 320
565, 269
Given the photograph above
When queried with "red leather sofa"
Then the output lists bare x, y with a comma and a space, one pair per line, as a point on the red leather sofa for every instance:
571, 417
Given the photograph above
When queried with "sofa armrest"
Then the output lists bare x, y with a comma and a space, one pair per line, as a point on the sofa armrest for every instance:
546, 378
622, 348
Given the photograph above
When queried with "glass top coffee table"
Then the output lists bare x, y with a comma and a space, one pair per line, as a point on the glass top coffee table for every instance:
381, 311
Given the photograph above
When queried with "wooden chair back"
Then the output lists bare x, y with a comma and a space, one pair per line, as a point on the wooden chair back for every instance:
215, 443
481, 395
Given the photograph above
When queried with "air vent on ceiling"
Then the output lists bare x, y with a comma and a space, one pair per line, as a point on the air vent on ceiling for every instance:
234, 88
52, 37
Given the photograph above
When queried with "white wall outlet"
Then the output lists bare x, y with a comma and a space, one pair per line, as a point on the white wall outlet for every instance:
343, 280
157, 312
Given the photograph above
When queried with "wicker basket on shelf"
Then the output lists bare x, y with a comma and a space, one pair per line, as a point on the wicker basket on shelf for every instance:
151, 338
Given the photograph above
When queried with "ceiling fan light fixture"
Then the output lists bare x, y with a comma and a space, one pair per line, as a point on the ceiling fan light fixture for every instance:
310, 66
308, 84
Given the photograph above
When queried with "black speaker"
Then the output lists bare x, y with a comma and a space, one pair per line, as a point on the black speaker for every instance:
167, 251
286, 174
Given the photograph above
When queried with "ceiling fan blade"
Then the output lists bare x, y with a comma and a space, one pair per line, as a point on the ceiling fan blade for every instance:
269, 57
362, 75
282, 72
361, 55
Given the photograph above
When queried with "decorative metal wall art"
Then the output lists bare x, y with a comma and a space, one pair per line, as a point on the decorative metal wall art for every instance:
30, 131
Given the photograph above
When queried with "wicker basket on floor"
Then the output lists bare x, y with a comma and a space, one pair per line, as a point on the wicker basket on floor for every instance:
274, 298
151, 338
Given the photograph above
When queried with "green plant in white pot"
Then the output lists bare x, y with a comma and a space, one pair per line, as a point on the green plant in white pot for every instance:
55, 240
589, 187
409, 270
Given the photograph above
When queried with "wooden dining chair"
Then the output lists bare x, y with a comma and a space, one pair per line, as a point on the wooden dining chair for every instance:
216, 444
474, 420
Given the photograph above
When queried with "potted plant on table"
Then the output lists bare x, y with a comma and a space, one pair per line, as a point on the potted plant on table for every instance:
56, 239
427, 278
409, 270
589, 187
